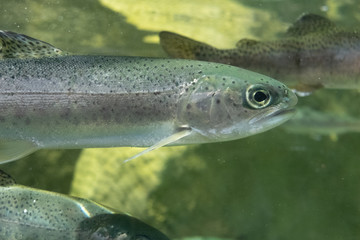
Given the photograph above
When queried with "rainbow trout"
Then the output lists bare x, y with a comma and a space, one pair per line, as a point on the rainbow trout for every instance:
49, 99
313, 54
316, 123
29, 213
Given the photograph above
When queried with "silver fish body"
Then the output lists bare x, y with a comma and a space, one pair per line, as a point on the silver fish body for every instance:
97, 101
28, 213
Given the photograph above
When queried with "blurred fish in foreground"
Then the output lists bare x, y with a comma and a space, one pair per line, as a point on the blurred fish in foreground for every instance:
28, 213
202, 238
317, 123
313, 54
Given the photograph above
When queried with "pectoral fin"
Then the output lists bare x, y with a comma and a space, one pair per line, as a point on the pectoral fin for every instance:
15, 149
183, 132
14, 45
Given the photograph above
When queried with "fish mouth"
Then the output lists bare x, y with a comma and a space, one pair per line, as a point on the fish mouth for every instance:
274, 118
290, 111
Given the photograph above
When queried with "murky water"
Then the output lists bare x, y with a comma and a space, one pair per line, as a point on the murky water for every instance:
275, 185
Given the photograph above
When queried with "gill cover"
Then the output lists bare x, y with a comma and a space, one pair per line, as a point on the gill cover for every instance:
213, 103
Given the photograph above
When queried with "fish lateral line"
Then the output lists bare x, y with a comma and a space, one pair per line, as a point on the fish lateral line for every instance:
31, 225
181, 133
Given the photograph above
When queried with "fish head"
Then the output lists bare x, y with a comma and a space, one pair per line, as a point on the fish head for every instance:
117, 227
235, 104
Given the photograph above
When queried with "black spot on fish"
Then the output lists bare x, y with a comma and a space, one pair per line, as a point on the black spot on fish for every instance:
27, 121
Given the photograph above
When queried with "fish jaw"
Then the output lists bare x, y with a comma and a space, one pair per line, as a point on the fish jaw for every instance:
271, 120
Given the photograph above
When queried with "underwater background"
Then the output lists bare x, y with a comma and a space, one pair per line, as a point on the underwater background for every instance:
274, 185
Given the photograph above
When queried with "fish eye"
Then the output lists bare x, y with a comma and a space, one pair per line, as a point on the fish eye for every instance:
257, 97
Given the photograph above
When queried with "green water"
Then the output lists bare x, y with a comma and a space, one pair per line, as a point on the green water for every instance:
274, 185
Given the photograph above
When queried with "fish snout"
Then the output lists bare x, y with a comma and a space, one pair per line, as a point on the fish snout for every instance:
290, 98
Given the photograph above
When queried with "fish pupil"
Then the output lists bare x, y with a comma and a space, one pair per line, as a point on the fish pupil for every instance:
260, 96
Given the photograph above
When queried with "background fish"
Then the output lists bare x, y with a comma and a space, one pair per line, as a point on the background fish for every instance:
96, 101
316, 123
28, 213
314, 53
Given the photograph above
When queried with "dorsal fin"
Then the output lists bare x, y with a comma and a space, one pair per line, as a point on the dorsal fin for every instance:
14, 45
6, 179
310, 23
178, 46
243, 43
